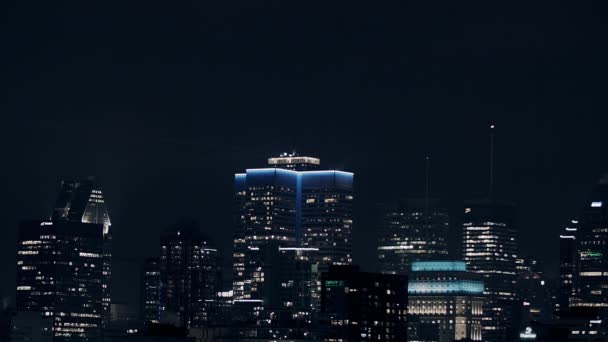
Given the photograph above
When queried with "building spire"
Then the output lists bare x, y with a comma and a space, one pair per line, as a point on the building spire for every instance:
491, 186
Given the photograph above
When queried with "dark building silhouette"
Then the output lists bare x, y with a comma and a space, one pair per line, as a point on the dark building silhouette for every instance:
411, 230
59, 276
82, 200
151, 304
568, 266
445, 302
189, 267
362, 306
490, 249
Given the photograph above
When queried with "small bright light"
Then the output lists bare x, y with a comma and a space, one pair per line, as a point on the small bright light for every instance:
492, 126
542, 282
596, 204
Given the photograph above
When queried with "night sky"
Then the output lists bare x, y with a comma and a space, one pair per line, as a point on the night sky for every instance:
164, 102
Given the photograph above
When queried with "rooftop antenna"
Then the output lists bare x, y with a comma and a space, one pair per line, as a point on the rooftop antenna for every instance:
427, 165
491, 189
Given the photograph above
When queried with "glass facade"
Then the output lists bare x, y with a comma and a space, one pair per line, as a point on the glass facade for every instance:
593, 249
490, 249
82, 200
291, 208
190, 276
411, 230
59, 275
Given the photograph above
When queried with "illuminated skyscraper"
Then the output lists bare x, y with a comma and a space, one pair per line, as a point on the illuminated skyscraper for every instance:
190, 275
59, 275
411, 230
593, 249
293, 208
81, 200
445, 302
490, 249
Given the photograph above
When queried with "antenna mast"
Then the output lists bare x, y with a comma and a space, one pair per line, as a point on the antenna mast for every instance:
491, 189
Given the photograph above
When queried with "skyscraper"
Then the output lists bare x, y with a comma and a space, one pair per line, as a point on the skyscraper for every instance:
81, 200
151, 305
189, 274
490, 249
445, 302
568, 266
593, 249
59, 275
362, 306
411, 230
292, 207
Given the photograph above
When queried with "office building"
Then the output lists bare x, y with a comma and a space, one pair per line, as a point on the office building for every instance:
151, 305
534, 294
362, 306
31, 326
292, 207
593, 249
490, 249
189, 267
568, 266
445, 302
82, 200
59, 276
411, 230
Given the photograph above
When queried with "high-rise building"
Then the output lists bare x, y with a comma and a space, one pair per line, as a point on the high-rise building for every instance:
82, 200
362, 306
593, 249
534, 294
568, 266
411, 230
490, 249
290, 296
445, 302
151, 304
59, 276
190, 275
293, 207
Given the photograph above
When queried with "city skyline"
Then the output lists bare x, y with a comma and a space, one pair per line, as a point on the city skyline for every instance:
551, 269
298, 137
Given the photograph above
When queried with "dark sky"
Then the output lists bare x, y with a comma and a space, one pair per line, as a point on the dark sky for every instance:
164, 101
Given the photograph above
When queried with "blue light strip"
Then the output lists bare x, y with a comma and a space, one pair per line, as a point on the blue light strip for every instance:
445, 287
434, 266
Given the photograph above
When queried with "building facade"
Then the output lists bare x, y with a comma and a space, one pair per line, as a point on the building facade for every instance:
490, 249
362, 306
445, 302
593, 250
290, 207
151, 304
411, 230
59, 276
189, 267
568, 266
82, 200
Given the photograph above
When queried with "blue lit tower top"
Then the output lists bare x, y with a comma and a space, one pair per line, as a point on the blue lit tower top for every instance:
443, 278
295, 205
